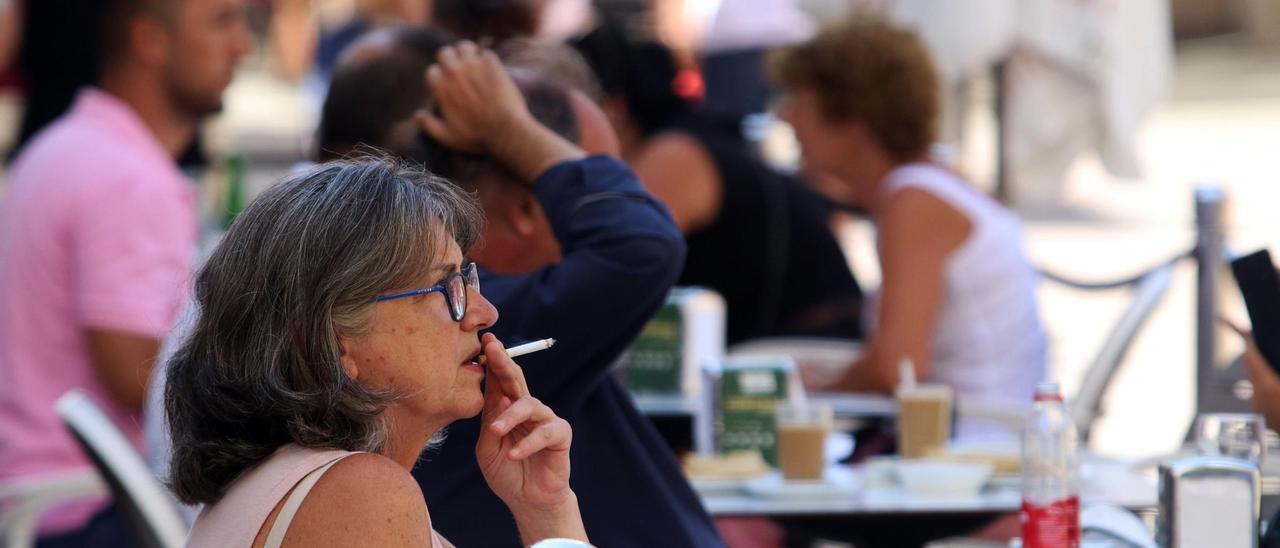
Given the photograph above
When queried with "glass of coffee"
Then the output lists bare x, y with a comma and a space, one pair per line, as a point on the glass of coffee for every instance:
924, 420
802, 438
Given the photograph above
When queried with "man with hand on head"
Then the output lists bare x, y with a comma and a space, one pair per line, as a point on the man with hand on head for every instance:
591, 281
97, 236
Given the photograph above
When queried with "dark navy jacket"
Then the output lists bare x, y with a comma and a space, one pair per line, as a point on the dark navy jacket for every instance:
621, 254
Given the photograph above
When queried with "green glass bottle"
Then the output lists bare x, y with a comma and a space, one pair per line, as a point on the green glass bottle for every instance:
235, 168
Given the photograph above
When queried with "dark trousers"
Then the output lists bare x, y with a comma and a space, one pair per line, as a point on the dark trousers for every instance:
107, 529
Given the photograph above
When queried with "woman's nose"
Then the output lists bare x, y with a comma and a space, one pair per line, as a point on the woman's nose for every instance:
480, 312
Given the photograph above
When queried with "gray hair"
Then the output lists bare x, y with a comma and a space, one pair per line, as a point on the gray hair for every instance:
297, 270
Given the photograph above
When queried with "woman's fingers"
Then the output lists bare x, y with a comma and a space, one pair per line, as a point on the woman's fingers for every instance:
509, 377
553, 434
522, 410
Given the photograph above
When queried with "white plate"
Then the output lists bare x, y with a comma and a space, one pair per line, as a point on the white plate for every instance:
720, 486
838, 482
1005, 480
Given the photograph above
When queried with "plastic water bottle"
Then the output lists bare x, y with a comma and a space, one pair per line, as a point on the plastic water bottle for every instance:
1050, 474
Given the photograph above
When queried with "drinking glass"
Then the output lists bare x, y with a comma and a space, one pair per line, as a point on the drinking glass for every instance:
1236, 435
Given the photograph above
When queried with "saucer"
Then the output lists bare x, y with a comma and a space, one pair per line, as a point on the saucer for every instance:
720, 486
838, 482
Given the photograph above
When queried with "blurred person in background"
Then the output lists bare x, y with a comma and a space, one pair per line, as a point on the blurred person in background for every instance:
54, 56
579, 252
1266, 401
97, 235
10, 36
958, 294
495, 21
732, 52
499, 21
308, 36
1263, 377
757, 237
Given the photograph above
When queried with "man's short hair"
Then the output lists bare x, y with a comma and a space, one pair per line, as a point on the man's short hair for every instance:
553, 60
872, 72
372, 101
369, 96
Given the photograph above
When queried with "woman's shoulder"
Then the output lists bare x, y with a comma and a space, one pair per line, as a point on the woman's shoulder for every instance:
923, 175
929, 186
366, 499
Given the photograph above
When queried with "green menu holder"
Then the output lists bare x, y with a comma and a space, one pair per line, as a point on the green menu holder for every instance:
655, 360
747, 392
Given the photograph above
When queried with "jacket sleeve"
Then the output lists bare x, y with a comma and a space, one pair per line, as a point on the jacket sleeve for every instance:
621, 254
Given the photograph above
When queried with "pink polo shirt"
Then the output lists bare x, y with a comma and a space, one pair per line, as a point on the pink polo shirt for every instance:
97, 230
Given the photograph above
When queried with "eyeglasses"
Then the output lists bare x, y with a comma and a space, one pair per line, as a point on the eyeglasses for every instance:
454, 286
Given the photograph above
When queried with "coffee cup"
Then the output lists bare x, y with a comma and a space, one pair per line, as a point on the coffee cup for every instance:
802, 430
924, 420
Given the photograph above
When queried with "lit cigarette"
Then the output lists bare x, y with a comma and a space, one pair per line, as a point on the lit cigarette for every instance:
527, 348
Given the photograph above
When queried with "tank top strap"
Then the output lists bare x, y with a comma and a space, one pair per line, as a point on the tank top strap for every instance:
238, 516
291, 505
939, 182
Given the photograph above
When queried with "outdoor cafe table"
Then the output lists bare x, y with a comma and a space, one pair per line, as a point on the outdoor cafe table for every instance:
843, 405
1103, 481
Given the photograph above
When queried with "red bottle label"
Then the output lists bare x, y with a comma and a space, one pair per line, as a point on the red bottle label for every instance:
1056, 525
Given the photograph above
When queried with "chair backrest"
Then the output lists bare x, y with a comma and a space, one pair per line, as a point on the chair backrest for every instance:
148, 507
24, 500
1086, 405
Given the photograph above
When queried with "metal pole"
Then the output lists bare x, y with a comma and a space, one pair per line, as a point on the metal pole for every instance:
1004, 187
1209, 253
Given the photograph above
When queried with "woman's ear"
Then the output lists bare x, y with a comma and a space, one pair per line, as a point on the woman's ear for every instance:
348, 361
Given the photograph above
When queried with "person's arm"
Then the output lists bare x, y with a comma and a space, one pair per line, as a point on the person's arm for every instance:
1265, 381
621, 255
621, 250
123, 363
677, 169
10, 32
918, 232
132, 261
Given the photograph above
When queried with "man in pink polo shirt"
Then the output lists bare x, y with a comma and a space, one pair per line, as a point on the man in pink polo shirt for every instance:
97, 237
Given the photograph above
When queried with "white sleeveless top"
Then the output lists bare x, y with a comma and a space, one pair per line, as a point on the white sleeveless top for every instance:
236, 519
988, 343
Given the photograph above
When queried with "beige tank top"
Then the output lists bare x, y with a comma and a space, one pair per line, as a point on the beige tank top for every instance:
236, 519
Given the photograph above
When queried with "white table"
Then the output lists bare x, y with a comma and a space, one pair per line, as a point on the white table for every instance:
1103, 481
844, 405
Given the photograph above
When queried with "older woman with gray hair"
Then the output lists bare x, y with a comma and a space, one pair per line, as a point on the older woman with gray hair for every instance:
338, 335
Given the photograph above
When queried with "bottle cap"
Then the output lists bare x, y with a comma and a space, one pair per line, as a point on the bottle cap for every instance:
1047, 390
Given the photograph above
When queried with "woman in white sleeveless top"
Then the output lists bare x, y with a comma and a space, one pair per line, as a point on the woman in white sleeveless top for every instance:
338, 335
958, 296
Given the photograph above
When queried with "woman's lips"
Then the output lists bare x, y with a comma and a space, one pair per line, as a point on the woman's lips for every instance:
471, 363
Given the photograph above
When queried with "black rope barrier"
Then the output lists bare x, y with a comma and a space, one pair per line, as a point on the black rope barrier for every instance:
1123, 282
